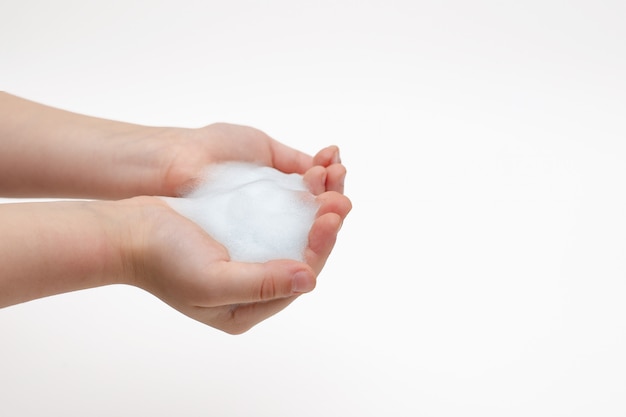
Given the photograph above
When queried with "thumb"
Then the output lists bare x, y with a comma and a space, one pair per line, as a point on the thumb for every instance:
242, 282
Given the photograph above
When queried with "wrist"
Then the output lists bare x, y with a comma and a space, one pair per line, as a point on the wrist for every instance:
130, 229
143, 162
156, 161
181, 160
58, 247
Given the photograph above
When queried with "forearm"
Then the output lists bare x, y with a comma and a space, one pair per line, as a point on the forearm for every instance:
45, 151
57, 247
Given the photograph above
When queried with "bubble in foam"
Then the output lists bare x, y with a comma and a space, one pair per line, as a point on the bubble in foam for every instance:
258, 213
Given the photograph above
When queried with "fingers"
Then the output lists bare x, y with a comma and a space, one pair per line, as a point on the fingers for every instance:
334, 202
322, 239
320, 179
335, 173
334, 207
289, 160
335, 178
323, 172
315, 179
327, 156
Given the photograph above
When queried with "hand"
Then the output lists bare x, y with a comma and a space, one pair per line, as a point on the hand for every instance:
178, 262
143, 242
193, 149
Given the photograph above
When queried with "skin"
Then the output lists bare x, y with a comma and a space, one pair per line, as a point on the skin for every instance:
125, 235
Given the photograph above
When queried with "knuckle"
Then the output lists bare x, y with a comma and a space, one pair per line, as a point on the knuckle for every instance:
268, 289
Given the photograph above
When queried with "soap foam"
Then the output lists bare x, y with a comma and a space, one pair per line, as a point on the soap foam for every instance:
258, 213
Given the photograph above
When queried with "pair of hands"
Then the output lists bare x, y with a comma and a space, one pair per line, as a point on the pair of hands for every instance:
186, 268
120, 238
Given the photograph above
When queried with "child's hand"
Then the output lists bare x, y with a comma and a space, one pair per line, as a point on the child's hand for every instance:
175, 260
193, 149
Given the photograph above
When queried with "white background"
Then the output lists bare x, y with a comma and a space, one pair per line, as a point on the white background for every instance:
482, 269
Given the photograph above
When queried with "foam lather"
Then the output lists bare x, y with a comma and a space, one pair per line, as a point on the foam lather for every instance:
258, 213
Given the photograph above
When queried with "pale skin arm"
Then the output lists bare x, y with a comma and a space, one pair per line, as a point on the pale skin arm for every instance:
51, 152
57, 247
51, 248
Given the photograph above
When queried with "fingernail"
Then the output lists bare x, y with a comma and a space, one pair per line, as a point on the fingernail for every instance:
337, 158
302, 282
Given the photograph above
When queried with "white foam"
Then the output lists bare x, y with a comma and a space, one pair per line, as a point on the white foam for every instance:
258, 213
